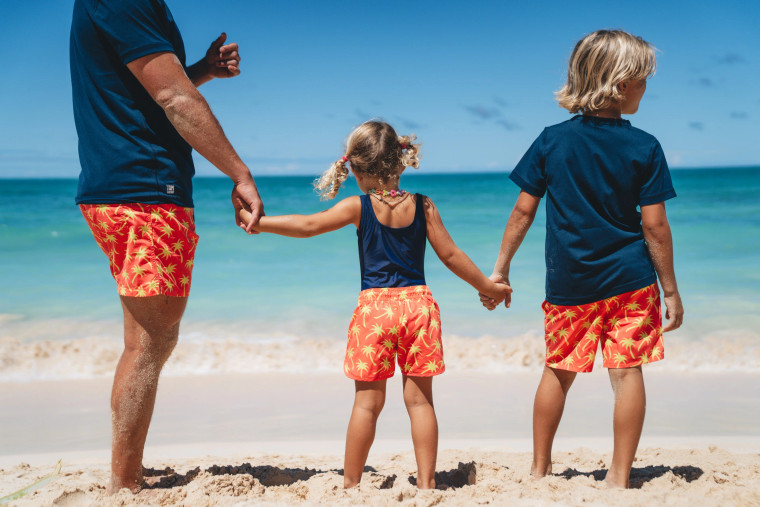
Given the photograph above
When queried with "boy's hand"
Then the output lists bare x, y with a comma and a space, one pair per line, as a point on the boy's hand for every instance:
222, 60
502, 292
673, 312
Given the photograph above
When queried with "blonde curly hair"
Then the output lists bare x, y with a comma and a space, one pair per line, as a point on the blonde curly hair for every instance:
373, 148
598, 64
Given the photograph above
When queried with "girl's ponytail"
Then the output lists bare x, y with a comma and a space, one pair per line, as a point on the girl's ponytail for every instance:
410, 155
329, 183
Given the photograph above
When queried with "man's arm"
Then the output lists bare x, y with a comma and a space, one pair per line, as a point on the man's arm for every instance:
164, 78
654, 223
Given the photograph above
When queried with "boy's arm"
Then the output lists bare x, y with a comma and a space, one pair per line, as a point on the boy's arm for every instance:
654, 223
455, 259
517, 227
347, 211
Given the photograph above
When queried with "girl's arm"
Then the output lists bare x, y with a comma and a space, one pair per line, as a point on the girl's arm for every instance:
517, 227
654, 223
347, 211
455, 259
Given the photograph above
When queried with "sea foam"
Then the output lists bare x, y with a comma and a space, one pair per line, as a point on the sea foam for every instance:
211, 348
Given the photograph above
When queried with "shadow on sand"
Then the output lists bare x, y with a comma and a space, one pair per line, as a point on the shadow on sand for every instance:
267, 475
463, 475
640, 476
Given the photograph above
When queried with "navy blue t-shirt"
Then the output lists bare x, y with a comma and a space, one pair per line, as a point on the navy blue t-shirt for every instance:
128, 149
595, 173
391, 256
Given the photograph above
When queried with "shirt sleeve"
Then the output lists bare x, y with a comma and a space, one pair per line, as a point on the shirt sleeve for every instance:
134, 28
656, 185
530, 172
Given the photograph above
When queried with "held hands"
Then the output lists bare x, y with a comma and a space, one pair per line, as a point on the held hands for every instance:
247, 204
222, 60
501, 291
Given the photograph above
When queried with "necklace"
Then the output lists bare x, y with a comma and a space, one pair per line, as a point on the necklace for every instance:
379, 194
386, 193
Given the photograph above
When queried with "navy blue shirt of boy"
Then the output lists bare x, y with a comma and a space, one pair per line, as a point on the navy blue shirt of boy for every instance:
128, 149
595, 172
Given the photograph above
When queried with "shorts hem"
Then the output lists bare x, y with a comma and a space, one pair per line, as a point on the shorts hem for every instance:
435, 374
365, 379
633, 364
560, 367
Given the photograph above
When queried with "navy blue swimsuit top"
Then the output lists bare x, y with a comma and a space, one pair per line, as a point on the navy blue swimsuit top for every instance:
391, 256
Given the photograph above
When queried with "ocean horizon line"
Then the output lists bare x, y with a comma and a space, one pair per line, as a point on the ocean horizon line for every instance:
414, 174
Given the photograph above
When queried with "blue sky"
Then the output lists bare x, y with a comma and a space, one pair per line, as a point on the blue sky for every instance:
474, 80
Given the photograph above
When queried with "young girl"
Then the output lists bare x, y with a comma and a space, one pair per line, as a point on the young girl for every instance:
396, 316
603, 255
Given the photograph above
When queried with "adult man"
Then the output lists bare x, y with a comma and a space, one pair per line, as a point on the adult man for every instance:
138, 113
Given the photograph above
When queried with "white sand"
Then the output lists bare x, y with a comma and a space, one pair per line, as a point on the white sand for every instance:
701, 442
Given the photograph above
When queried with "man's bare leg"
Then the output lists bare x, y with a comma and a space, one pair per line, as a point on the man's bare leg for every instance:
630, 407
547, 412
151, 328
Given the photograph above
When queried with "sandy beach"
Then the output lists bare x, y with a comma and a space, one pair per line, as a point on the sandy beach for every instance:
278, 439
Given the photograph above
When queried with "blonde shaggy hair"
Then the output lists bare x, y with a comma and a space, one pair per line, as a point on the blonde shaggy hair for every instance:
374, 149
598, 64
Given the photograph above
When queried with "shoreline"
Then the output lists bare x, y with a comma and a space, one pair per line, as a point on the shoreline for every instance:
278, 439
73, 415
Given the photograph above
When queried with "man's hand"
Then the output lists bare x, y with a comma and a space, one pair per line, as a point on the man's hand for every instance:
491, 303
222, 60
245, 196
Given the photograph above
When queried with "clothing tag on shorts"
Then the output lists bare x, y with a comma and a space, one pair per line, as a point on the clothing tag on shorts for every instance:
169, 189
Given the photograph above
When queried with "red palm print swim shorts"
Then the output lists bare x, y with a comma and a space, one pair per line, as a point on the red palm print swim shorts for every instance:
629, 326
395, 323
150, 247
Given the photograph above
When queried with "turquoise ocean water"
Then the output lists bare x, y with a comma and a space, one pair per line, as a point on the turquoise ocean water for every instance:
266, 302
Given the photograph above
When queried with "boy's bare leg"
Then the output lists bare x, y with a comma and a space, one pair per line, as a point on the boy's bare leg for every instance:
418, 397
368, 402
630, 407
151, 328
547, 412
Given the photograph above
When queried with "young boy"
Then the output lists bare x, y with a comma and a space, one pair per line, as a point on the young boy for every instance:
601, 253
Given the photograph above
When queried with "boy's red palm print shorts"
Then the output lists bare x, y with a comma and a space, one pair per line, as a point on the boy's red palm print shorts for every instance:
629, 326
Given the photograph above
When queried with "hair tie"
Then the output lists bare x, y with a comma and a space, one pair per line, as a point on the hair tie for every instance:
345, 158
403, 146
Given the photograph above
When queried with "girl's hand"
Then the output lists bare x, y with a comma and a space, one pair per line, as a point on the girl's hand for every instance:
245, 219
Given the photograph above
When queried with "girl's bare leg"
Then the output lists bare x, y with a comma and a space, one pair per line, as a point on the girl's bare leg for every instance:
547, 412
628, 420
368, 402
418, 397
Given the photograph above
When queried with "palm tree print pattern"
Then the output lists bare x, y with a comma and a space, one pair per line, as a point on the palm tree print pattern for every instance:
394, 324
629, 327
150, 247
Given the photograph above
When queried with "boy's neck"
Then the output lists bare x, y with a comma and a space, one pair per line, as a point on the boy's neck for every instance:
610, 112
